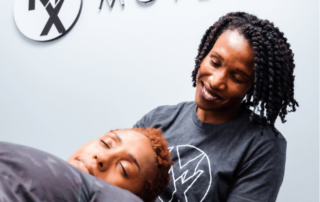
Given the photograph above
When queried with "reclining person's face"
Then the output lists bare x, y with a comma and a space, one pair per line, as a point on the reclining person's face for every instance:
124, 158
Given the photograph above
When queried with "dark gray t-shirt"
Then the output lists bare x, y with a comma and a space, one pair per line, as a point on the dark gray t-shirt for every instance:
31, 175
229, 162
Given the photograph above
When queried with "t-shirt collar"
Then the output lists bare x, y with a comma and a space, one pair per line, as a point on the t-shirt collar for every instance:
204, 125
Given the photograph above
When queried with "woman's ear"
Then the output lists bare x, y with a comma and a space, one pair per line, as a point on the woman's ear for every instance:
197, 77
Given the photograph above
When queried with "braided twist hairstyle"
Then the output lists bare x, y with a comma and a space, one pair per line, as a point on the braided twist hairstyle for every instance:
273, 88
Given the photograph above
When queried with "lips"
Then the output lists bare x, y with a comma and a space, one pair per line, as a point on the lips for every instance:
208, 94
83, 165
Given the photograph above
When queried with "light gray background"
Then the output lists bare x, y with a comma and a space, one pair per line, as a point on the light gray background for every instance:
117, 64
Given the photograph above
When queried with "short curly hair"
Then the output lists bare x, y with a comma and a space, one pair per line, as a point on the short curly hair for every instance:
156, 184
273, 89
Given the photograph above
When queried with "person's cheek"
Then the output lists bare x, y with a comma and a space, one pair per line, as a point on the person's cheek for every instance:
117, 180
92, 148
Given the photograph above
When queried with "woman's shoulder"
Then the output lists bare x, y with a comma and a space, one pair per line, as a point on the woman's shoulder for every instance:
165, 113
268, 135
257, 128
178, 107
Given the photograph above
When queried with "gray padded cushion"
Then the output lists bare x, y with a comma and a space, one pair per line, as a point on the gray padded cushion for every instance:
28, 175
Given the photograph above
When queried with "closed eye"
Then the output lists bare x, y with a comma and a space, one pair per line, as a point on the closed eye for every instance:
105, 144
236, 80
214, 63
124, 171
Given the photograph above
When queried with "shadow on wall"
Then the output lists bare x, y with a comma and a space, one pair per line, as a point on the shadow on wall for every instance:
151, 2
32, 42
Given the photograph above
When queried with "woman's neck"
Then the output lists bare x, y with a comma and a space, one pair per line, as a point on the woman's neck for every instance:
217, 116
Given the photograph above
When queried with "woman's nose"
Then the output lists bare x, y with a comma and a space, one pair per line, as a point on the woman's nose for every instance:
104, 160
218, 80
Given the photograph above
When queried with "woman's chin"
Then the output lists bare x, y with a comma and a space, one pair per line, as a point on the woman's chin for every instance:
206, 105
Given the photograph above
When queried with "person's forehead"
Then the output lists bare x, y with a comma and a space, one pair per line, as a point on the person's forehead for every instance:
232, 38
232, 42
129, 134
141, 148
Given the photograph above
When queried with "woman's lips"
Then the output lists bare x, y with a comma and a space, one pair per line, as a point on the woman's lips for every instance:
81, 165
208, 95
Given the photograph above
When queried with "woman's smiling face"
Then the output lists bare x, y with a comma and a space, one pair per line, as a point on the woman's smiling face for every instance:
124, 158
225, 74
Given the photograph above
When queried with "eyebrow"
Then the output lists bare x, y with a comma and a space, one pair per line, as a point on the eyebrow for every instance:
135, 161
130, 155
117, 136
218, 55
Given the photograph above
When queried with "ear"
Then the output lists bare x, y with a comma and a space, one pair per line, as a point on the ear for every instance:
197, 77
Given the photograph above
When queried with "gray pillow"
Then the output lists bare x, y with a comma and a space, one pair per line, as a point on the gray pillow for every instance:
28, 175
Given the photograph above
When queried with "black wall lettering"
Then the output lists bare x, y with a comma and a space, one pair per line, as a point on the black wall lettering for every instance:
54, 19
32, 5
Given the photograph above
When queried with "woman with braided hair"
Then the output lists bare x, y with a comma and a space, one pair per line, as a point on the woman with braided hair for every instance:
225, 145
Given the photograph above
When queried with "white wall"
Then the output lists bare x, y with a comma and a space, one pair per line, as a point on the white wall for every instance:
117, 64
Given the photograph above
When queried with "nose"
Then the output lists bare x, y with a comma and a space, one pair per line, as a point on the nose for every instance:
218, 80
104, 159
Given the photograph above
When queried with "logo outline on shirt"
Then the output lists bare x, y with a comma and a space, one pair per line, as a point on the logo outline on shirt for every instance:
196, 174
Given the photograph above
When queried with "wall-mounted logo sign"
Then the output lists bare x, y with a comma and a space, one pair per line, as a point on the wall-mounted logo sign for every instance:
45, 20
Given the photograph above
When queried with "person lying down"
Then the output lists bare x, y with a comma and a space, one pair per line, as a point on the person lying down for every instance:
107, 169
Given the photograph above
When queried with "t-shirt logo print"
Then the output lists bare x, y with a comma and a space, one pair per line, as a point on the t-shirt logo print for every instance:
192, 172
45, 20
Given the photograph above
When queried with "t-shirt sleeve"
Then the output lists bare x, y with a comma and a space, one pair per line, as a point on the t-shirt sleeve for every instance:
259, 178
144, 122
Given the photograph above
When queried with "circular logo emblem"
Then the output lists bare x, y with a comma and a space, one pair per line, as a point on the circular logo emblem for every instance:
191, 173
45, 20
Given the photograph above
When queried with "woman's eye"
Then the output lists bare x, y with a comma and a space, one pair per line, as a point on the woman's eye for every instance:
237, 80
124, 171
103, 142
214, 63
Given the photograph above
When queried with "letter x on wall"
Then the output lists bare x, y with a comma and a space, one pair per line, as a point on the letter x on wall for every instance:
53, 13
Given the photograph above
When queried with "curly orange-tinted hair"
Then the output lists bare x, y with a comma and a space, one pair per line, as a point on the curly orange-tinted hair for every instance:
156, 183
